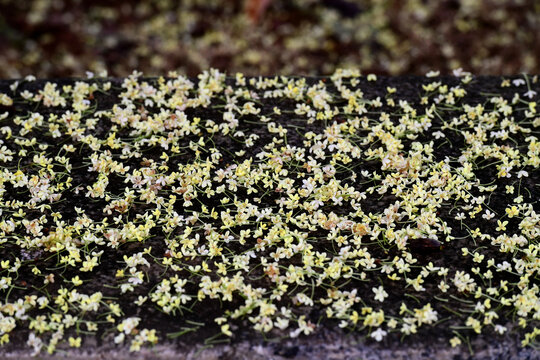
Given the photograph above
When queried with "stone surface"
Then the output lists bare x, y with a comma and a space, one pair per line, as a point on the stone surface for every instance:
325, 345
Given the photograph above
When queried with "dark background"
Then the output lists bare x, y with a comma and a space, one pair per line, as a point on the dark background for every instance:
63, 38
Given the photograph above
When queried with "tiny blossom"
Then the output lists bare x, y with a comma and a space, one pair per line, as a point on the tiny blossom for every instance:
460, 216
438, 134
380, 293
500, 329
378, 334
530, 94
488, 215
522, 173
455, 341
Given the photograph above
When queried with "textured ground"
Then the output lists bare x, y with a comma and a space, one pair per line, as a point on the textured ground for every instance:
324, 346
415, 254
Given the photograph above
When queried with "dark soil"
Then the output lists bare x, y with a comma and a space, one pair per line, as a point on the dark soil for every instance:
446, 254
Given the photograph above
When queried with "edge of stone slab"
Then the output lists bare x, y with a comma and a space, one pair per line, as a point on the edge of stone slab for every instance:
321, 346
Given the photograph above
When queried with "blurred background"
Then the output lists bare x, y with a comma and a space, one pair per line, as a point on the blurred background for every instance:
64, 38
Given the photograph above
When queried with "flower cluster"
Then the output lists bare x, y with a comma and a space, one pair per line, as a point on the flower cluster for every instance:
223, 201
